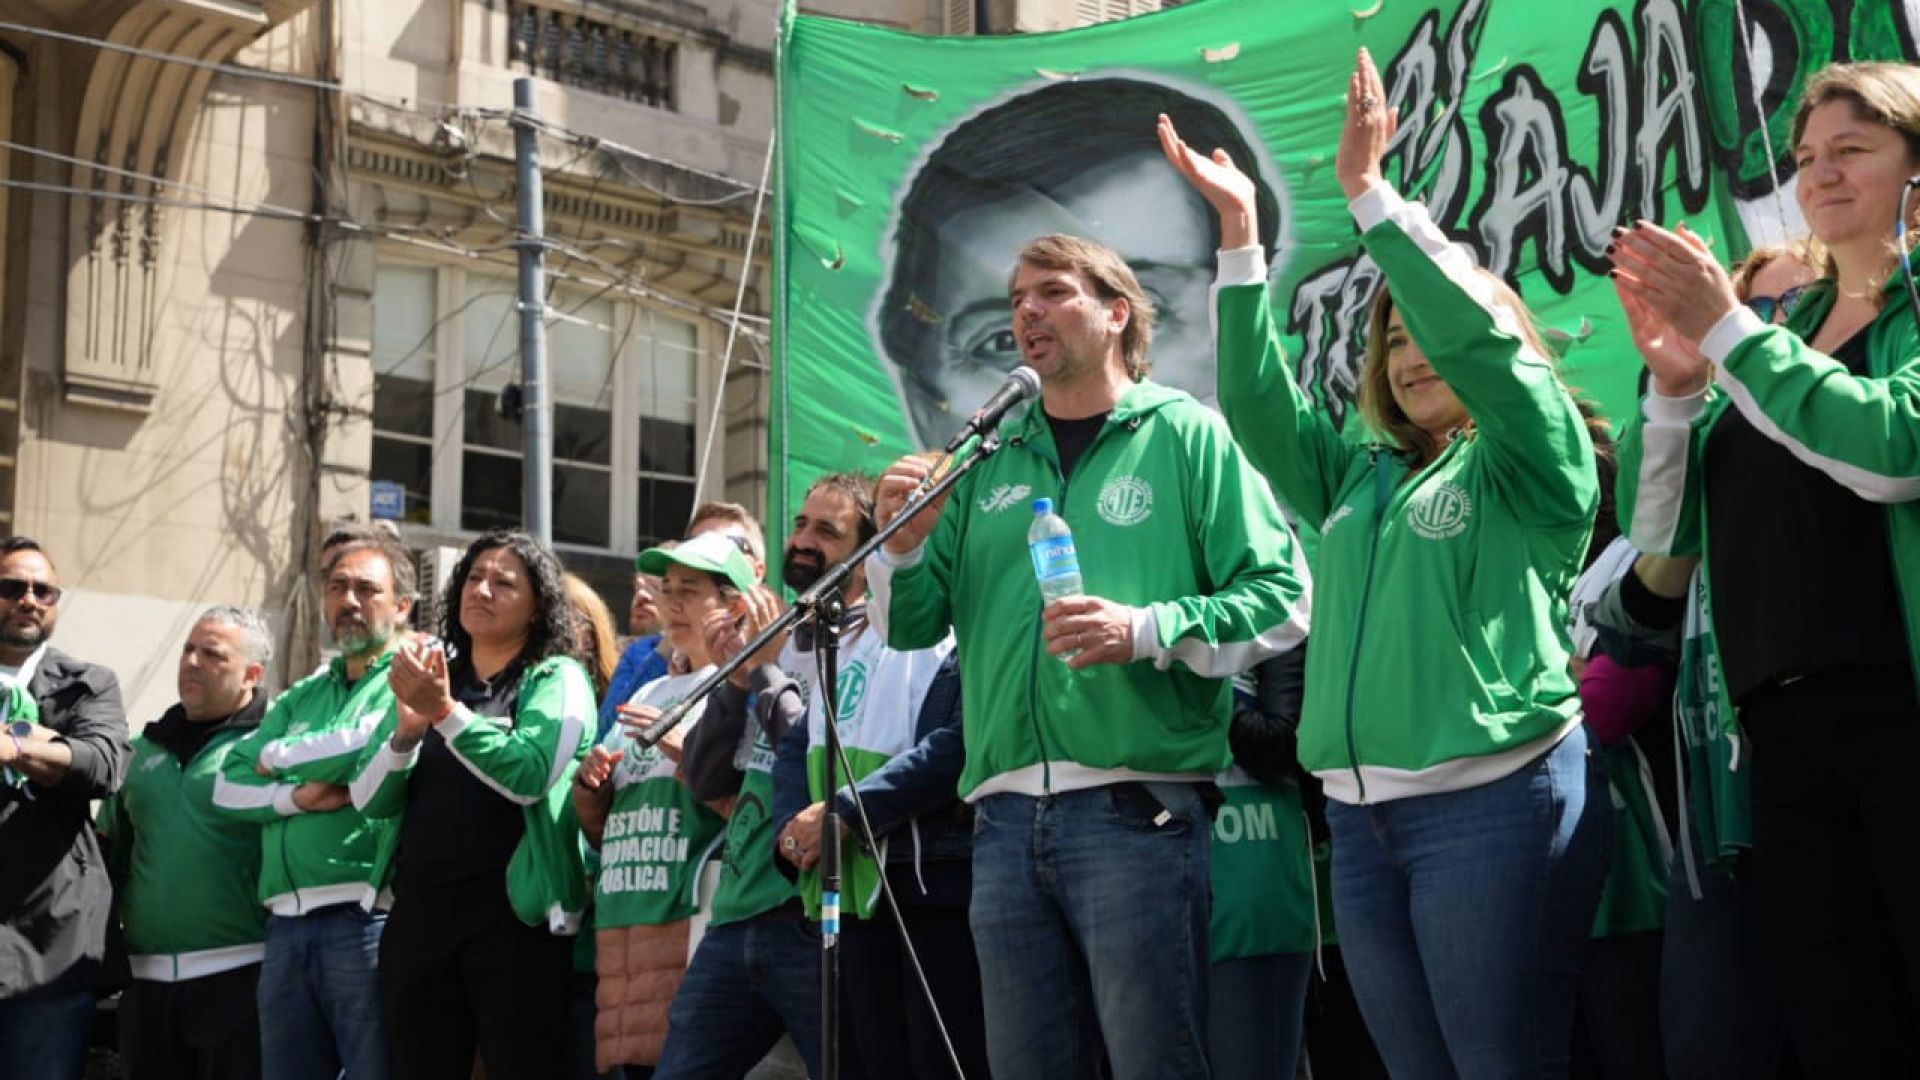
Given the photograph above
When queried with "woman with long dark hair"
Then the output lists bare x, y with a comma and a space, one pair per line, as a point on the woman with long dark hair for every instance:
475, 761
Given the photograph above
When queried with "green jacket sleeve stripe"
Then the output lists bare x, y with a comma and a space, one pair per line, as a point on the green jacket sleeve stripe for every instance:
322, 756
240, 791
1533, 436
1660, 496
1864, 432
1289, 440
548, 733
379, 791
261, 802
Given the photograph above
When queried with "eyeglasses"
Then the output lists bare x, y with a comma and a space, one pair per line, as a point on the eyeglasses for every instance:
1768, 306
13, 588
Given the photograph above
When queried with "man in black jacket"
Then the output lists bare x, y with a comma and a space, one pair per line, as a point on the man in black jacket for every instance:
65, 745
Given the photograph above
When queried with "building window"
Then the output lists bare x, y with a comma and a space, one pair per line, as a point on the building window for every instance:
626, 385
404, 353
667, 395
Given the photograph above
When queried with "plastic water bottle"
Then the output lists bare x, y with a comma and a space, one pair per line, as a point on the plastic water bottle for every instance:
1056, 565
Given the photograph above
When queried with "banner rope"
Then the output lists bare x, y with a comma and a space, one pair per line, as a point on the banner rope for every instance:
733, 322
1760, 114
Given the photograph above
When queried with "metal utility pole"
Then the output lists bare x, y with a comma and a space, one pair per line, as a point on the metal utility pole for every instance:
535, 395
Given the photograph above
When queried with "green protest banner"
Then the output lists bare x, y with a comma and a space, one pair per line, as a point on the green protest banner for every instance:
911, 170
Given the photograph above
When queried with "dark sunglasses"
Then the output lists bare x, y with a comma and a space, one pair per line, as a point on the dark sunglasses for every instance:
13, 588
1767, 306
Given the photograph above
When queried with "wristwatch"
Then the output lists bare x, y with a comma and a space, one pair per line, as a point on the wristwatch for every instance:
17, 730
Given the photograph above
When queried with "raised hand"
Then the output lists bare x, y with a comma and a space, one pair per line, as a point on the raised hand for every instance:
728, 632
1677, 367
1368, 131
1219, 181
1674, 275
419, 678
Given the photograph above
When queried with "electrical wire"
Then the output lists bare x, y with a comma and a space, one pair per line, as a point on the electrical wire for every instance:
241, 72
619, 153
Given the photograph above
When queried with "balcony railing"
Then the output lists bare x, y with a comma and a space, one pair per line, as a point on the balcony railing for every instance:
576, 49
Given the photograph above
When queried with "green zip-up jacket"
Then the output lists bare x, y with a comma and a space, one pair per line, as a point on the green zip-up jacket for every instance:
314, 731
529, 760
187, 877
1862, 431
1441, 645
1168, 518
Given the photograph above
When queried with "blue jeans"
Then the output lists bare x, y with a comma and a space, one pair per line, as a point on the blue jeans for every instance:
320, 996
45, 1038
1256, 1010
1464, 917
1090, 921
747, 983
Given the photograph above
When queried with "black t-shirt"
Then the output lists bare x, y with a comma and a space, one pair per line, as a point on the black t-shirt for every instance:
1072, 437
1802, 577
456, 827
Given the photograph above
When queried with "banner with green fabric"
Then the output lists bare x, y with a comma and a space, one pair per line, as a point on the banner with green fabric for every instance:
911, 170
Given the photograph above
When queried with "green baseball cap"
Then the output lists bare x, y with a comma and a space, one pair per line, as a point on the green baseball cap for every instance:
714, 552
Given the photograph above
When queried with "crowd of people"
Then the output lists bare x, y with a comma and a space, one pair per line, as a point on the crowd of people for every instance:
1547, 796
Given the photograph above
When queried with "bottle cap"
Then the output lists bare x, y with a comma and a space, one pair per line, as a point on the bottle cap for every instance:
1042, 506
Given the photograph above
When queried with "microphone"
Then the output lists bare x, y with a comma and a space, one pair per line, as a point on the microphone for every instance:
1022, 383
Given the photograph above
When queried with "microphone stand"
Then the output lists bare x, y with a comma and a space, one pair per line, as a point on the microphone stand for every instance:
824, 603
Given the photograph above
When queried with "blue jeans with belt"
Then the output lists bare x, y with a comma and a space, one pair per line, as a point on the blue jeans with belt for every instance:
1464, 917
1090, 913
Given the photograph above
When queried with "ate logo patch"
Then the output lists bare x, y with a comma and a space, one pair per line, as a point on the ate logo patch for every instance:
1125, 500
853, 688
1441, 513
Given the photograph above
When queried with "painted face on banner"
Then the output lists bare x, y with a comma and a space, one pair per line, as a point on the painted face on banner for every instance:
1167, 248
1079, 159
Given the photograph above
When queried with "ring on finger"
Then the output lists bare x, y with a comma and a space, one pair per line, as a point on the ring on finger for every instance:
1366, 101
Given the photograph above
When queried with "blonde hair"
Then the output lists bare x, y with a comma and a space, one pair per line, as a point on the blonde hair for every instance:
594, 623
1376, 402
1805, 250
1112, 279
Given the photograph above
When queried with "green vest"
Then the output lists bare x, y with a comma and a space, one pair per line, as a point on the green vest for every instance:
750, 883
657, 834
881, 691
1263, 875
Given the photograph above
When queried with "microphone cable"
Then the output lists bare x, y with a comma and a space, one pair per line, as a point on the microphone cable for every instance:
1900, 238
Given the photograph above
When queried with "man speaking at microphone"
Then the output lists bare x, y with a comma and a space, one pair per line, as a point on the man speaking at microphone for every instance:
1094, 724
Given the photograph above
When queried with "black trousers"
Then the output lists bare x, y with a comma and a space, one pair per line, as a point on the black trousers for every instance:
1835, 832
891, 1024
1338, 1044
1618, 1033
459, 971
200, 1029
